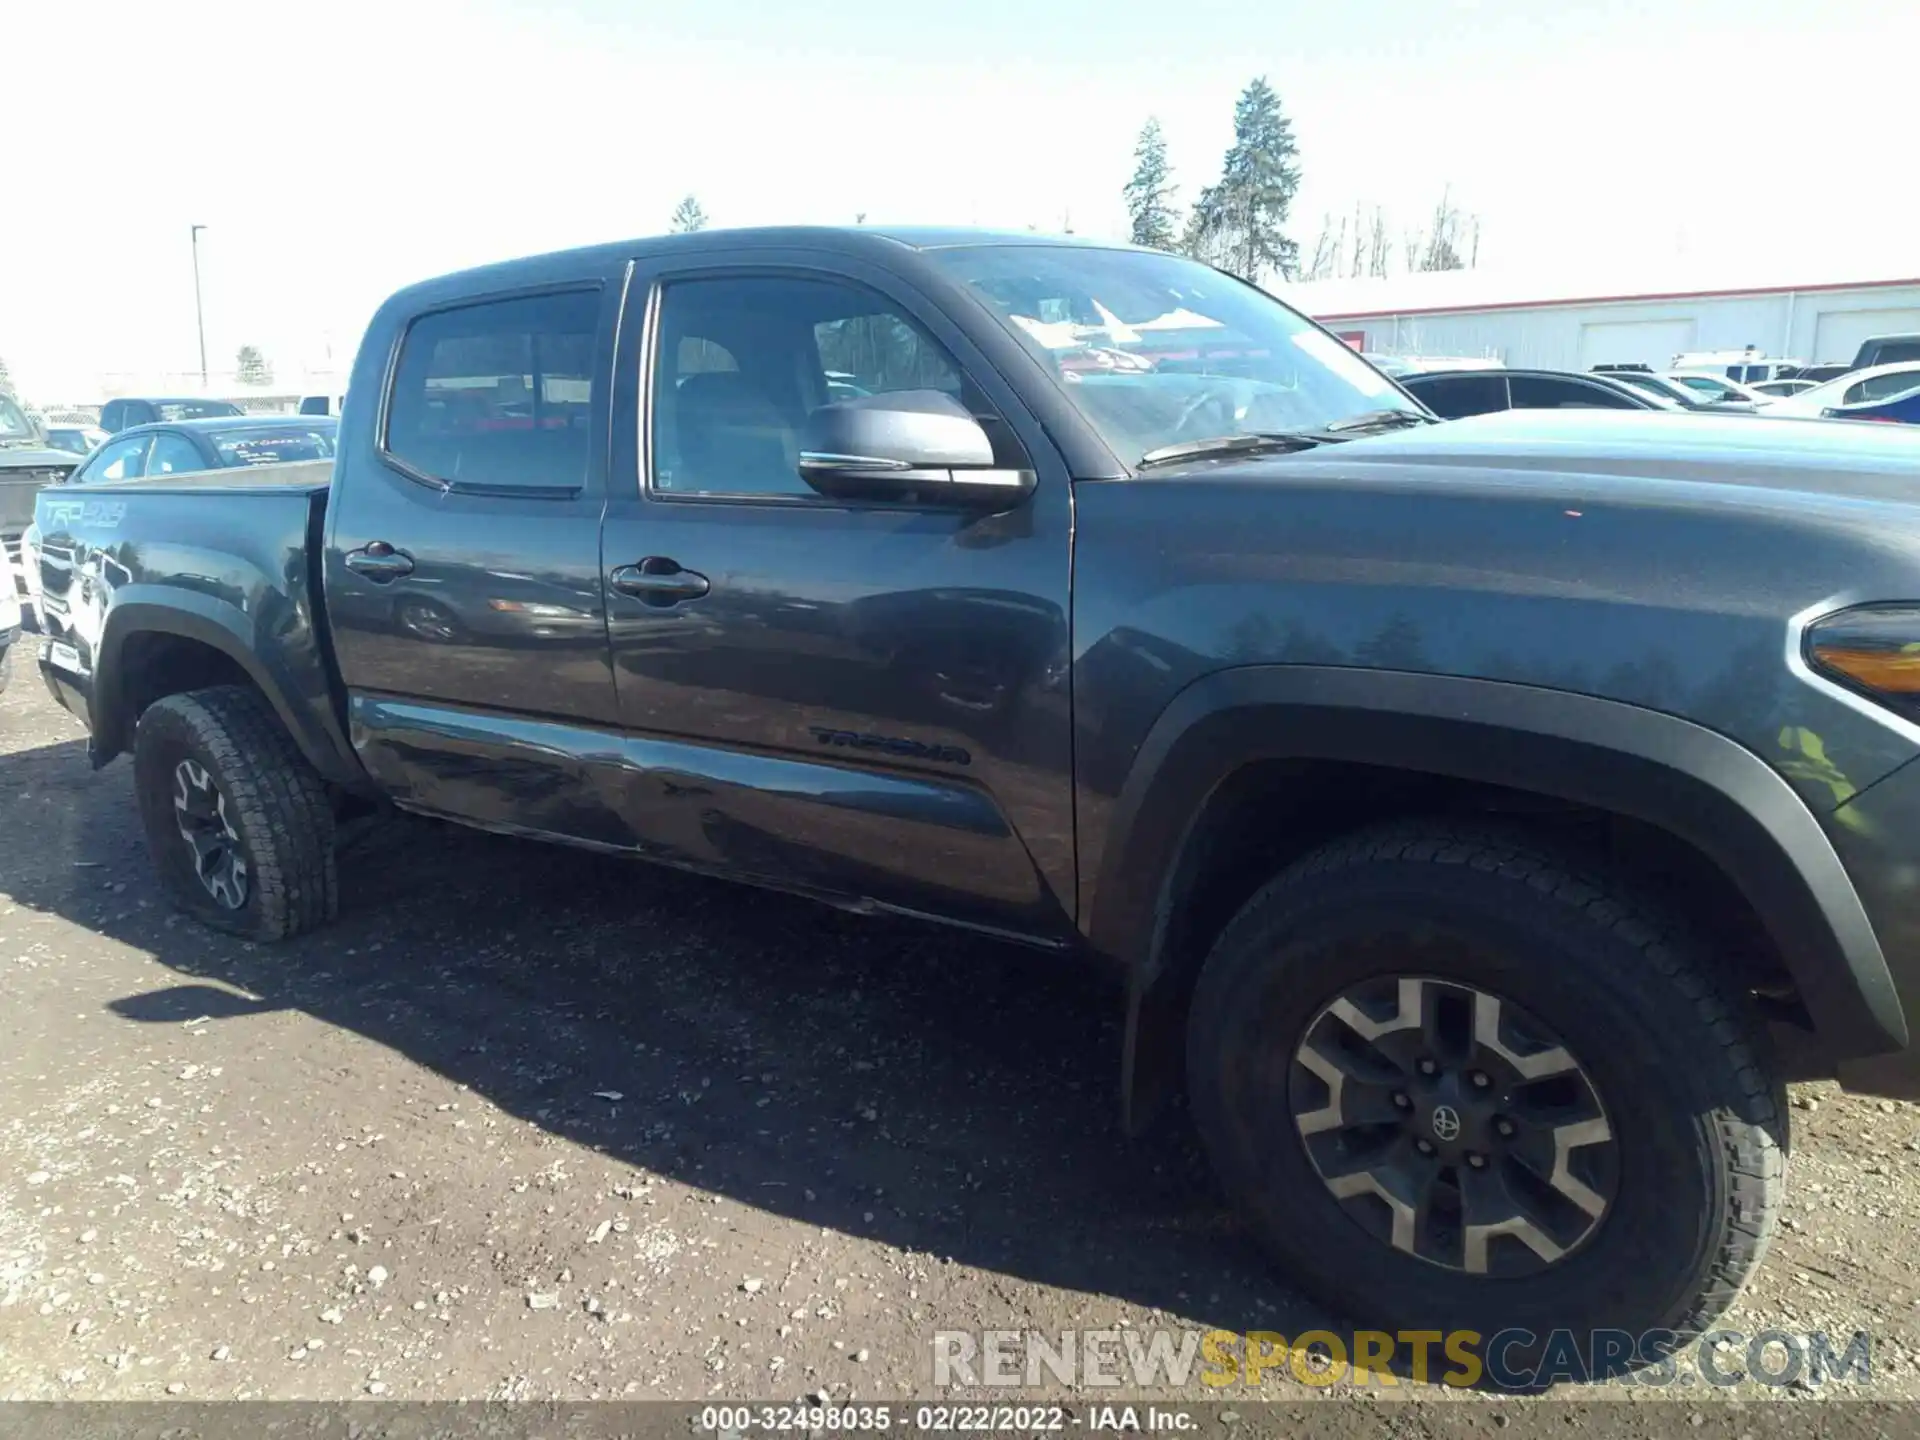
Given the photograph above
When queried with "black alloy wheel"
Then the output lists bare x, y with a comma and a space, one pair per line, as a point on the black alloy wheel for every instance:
200, 811
1453, 1125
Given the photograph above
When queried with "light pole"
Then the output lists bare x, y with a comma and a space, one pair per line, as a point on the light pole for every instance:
199, 315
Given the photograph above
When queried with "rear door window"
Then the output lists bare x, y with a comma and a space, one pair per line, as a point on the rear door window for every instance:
173, 454
498, 394
118, 460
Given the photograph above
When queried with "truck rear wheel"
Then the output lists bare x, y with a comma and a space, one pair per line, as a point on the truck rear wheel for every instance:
236, 820
1455, 1086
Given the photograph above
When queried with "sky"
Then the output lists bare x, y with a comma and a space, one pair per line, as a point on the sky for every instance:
337, 151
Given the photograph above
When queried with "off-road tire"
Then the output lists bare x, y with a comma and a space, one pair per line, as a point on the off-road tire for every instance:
1674, 1051
275, 802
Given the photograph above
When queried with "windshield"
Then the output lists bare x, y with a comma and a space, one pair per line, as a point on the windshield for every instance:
276, 445
1708, 385
1156, 350
14, 424
195, 409
1676, 395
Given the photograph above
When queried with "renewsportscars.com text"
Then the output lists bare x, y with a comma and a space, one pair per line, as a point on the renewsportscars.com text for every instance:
1141, 1359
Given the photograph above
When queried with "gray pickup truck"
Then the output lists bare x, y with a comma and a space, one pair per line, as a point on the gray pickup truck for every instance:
1484, 818
28, 464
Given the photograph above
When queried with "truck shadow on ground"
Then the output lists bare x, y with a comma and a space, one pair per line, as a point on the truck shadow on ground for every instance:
929, 1090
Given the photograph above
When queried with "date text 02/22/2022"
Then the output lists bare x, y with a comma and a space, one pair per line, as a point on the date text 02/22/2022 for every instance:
743, 1420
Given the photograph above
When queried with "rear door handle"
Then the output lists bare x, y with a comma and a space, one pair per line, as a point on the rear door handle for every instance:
657, 580
379, 562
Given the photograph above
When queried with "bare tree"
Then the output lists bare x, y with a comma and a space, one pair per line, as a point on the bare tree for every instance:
688, 217
1379, 247
1451, 240
1329, 250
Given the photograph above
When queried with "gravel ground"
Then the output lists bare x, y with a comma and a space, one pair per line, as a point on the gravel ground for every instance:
531, 1124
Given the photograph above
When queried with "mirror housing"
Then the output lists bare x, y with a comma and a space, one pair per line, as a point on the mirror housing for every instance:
906, 444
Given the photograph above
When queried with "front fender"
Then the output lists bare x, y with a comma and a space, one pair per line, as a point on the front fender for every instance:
1689, 781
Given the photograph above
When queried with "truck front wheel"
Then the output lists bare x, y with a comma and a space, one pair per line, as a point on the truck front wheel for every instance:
1455, 1086
237, 822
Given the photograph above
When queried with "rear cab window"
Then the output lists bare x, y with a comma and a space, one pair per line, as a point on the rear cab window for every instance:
273, 445
497, 394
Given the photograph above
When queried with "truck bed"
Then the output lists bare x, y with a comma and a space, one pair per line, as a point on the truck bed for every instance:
225, 556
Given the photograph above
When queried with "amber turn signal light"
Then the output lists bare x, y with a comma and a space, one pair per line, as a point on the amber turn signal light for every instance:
1874, 648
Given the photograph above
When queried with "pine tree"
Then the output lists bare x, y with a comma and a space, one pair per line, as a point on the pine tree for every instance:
688, 217
6, 379
252, 366
1240, 223
1149, 194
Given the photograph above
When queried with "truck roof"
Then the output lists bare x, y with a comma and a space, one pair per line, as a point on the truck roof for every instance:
845, 238
232, 422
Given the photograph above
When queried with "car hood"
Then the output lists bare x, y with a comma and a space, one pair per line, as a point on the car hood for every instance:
1817, 457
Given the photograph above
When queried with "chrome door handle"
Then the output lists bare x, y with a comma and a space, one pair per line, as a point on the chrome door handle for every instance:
657, 580
379, 562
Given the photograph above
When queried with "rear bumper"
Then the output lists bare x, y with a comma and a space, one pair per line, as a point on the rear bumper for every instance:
1877, 835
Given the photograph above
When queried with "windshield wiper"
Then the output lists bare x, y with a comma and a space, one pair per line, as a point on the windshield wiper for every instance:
1379, 420
1261, 443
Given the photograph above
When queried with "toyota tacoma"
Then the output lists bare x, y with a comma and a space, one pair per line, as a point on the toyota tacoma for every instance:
1485, 819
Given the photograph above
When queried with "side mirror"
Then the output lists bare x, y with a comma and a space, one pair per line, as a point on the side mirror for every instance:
906, 444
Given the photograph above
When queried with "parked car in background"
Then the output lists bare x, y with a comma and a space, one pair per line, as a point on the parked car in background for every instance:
193, 445
1454, 395
1886, 392
1774, 389
80, 439
1662, 387
27, 464
321, 404
1886, 350
118, 415
1746, 366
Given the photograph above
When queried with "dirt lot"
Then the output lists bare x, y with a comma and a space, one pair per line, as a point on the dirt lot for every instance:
533, 1124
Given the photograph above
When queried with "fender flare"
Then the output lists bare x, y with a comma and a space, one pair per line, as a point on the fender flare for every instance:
1671, 773
307, 716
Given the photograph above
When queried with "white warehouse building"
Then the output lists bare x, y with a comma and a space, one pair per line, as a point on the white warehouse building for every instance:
1630, 317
